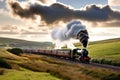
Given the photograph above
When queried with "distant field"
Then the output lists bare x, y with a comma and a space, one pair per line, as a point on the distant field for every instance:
107, 50
23, 43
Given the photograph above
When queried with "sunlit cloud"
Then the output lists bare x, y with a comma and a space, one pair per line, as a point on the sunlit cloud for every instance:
3, 12
46, 2
58, 12
1, 0
114, 2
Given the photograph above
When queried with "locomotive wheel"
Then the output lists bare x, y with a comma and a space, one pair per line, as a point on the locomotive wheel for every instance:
85, 60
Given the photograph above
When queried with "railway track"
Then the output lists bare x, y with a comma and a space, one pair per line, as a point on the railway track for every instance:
104, 66
96, 65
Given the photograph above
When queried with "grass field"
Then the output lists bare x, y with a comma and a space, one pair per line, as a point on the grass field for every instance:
107, 50
36, 67
26, 75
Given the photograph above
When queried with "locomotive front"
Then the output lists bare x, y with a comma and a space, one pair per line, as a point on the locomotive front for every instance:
81, 55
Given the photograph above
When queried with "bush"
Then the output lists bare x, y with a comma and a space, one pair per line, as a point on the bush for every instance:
112, 77
4, 64
104, 61
16, 51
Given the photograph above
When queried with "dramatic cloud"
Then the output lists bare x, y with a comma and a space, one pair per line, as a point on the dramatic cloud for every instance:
59, 12
114, 2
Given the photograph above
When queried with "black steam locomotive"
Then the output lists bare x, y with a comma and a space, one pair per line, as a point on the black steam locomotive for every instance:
75, 54
81, 55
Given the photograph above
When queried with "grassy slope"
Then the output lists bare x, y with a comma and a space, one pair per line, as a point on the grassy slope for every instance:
108, 49
34, 67
23, 43
26, 75
19, 73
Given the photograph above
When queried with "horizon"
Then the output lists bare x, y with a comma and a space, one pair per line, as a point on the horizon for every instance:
74, 41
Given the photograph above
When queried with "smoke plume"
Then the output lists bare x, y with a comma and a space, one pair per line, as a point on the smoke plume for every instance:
59, 12
71, 31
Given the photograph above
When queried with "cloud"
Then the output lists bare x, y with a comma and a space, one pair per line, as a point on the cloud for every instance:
111, 24
1, 0
43, 2
114, 2
59, 12
10, 28
26, 29
49, 2
4, 12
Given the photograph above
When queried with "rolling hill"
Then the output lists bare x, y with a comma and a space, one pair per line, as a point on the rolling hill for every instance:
106, 50
23, 43
38, 67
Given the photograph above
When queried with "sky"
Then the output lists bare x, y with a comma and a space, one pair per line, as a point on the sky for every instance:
34, 20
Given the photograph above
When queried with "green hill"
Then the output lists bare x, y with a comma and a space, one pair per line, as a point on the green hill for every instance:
105, 41
23, 43
106, 50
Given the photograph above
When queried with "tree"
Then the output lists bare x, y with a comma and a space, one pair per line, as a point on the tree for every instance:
16, 51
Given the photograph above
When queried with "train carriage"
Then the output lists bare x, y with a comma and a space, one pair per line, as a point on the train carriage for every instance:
64, 53
75, 54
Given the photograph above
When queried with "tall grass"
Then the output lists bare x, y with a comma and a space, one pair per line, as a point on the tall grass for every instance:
26, 75
67, 71
104, 61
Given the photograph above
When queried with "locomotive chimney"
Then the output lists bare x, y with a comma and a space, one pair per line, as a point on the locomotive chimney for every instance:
83, 37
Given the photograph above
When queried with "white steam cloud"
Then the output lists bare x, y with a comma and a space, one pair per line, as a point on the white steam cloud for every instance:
69, 32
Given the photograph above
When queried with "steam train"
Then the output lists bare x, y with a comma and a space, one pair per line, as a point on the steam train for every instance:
75, 54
